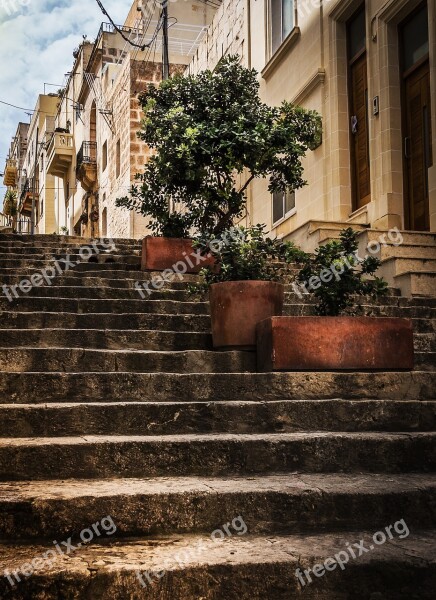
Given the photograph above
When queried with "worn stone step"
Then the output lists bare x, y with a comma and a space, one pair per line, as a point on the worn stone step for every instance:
240, 566
270, 504
166, 418
417, 283
397, 238
77, 360
425, 361
125, 321
425, 342
163, 387
120, 339
103, 248
79, 305
215, 455
44, 239
393, 267
65, 261
83, 305
82, 267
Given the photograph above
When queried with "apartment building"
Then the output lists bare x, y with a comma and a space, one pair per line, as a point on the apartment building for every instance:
94, 153
14, 172
369, 68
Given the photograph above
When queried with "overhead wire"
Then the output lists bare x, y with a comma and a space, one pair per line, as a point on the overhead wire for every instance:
125, 38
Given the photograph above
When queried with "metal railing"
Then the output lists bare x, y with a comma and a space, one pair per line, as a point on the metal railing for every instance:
87, 154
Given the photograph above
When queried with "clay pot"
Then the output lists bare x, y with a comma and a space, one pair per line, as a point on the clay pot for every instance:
334, 344
161, 253
237, 306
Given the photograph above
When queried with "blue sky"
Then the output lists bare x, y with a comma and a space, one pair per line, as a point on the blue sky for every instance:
37, 39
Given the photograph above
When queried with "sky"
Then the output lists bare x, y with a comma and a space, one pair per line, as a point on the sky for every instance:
37, 39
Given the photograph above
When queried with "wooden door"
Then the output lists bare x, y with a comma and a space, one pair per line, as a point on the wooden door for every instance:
359, 125
417, 147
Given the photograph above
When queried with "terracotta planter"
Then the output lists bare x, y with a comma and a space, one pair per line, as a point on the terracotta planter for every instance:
334, 344
237, 306
160, 253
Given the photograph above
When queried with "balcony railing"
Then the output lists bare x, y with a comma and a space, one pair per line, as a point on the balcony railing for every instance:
87, 154
86, 170
11, 173
60, 153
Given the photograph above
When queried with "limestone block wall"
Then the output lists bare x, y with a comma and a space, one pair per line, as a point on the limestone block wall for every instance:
226, 35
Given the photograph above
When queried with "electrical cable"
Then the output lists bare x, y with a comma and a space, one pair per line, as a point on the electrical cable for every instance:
125, 38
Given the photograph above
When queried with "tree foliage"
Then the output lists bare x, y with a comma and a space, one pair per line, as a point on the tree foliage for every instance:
204, 131
246, 254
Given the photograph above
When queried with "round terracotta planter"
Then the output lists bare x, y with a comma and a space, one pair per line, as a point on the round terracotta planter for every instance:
161, 253
237, 306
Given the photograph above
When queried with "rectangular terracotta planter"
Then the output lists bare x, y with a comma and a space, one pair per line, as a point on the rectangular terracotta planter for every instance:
160, 253
334, 344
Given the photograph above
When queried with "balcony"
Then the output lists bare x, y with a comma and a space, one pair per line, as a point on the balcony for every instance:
30, 189
86, 170
11, 173
60, 153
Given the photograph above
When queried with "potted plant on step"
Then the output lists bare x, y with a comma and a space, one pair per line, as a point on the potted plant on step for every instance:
246, 283
210, 136
339, 280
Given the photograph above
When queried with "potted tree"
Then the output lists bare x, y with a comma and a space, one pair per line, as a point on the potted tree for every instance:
338, 338
10, 208
246, 283
210, 136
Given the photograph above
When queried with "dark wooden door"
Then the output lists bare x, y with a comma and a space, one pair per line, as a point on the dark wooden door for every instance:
360, 167
417, 147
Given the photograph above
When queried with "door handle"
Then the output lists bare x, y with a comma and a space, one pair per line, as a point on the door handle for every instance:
354, 122
407, 147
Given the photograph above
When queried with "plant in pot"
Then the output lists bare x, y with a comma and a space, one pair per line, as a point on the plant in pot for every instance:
338, 338
210, 136
10, 208
246, 282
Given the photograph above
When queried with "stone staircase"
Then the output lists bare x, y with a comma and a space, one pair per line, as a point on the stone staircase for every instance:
116, 413
408, 257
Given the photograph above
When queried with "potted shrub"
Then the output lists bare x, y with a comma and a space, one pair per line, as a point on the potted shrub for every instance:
210, 136
10, 208
337, 338
246, 283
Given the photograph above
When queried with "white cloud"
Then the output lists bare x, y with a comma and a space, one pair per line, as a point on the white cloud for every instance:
37, 39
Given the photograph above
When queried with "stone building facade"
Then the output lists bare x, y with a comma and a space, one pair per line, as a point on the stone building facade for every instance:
369, 68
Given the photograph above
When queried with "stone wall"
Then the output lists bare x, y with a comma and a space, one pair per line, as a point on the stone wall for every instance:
226, 35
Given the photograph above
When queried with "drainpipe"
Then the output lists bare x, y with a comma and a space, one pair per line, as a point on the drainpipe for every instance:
32, 219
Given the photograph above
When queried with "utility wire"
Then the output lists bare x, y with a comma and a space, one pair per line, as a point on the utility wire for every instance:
104, 11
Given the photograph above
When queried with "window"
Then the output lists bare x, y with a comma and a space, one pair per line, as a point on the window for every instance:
283, 204
118, 159
104, 164
282, 21
415, 39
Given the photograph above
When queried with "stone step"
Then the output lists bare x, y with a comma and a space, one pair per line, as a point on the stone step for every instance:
49, 261
287, 504
116, 339
135, 339
215, 455
27, 303
425, 361
77, 306
125, 321
19, 388
44, 239
28, 267
392, 267
417, 283
78, 360
395, 238
167, 418
230, 565
425, 342
410, 252
27, 249
66, 288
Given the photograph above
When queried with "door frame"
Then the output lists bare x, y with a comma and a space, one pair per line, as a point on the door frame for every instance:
404, 75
